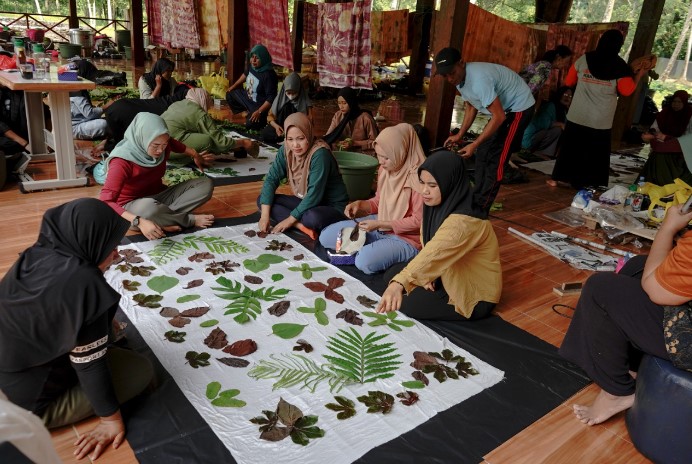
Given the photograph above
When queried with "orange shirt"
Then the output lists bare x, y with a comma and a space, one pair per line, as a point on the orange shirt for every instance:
675, 272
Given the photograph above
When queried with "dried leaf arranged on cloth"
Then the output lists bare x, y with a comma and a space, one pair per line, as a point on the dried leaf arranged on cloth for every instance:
195, 312
209, 323
148, 301
129, 255
300, 428
422, 359
179, 321
328, 288
275, 245
196, 359
216, 339
246, 301
302, 345
175, 336
143, 271
224, 399
367, 302
279, 309
199, 257
131, 285
160, 284
183, 270
287, 331
389, 319
379, 361
413, 384
194, 283
250, 233
169, 312
408, 398
350, 316
318, 310
345, 407
262, 262
296, 369
298, 257
221, 267
241, 347
463, 367
377, 401
262, 234
234, 362
253, 280
418, 375
188, 298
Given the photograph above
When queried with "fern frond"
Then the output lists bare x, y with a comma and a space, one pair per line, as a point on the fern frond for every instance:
166, 251
295, 369
361, 359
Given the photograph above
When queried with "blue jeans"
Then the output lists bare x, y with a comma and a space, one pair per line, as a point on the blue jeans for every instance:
380, 252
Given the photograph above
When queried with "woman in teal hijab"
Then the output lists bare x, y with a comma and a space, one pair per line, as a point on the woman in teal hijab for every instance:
255, 90
134, 188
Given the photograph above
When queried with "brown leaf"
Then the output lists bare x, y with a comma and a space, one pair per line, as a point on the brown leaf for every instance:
288, 413
253, 280
262, 234
198, 257
279, 309
298, 257
234, 362
241, 347
169, 312
418, 375
408, 398
365, 301
302, 345
195, 312
330, 294
194, 283
250, 233
183, 270
316, 286
275, 434
252, 169
350, 316
179, 321
421, 359
216, 339
335, 282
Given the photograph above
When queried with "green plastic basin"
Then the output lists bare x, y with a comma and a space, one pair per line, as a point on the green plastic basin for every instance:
358, 172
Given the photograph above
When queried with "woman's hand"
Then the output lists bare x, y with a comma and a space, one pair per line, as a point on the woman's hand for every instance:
263, 224
675, 220
452, 140
287, 223
430, 286
110, 429
344, 144
279, 130
255, 116
391, 298
158, 78
647, 137
369, 225
352, 209
150, 229
203, 160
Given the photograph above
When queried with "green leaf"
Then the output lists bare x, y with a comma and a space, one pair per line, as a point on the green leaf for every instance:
404, 323
148, 301
306, 310
187, 298
377, 401
262, 262
197, 359
307, 273
320, 304
160, 284
295, 370
395, 328
322, 318
229, 393
224, 402
213, 389
343, 406
175, 336
277, 277
209, 323
286, 330
299, 437
413, 384
131, 285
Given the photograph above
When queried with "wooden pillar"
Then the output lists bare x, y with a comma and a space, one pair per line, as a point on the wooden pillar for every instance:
450, 26
137, 32
298, 16
552, 11
238, 38
73, 21
420, 49
649, 18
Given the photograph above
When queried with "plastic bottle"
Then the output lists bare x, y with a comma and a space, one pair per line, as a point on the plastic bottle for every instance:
39, 56
19, 51
633, 192
640, 184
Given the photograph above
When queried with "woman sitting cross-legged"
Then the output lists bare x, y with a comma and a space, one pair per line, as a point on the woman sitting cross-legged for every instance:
87, 120
56, 313
393, 217
188, 122
457, 275
319, 194
352, 128
133, 185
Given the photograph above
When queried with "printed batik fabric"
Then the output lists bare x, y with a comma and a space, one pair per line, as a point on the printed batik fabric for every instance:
179, 24
343, 44
268, 24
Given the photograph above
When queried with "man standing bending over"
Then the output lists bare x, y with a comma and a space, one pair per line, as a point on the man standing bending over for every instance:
498, 91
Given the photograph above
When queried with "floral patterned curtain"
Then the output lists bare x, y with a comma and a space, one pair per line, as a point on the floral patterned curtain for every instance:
179, 23
210, 37
268, 24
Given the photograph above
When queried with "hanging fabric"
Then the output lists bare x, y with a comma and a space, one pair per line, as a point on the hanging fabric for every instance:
154, 21
210, 37
344, 44
389, 35
268, 24
222, 12
179, 24
310, 24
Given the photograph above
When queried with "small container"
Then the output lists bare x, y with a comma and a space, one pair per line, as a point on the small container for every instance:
637, 200
27, 70
217, 103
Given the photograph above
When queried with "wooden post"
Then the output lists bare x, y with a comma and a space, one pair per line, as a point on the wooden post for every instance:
137, 32
449, 32
73, 20
420, 49
649, 18
298, 16
552, 11
238, 38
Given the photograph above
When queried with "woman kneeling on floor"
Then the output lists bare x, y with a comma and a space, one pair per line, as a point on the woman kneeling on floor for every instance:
457, 274
319, 194
393, 217
134, 188
56, 313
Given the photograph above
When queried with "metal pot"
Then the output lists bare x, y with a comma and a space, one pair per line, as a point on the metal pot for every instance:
82, 37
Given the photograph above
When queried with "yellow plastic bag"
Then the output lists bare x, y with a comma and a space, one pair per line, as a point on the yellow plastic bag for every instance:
665, 196
216, 84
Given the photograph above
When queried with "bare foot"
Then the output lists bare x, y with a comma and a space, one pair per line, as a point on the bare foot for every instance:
203, 220
603, 408
551, 182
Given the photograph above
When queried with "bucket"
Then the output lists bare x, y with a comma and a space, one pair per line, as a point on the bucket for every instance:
358, 172
69, 50
128, 52
35, 35
122, 37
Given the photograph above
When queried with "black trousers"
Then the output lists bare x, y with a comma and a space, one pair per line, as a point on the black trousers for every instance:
426, 305
614, 323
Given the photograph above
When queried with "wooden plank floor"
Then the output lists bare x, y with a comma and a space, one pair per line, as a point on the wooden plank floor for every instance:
527, 298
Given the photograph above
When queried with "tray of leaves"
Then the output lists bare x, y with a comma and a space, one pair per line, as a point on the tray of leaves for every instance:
275, 245
344, 407
377, 401
245, 302
350, 316
328, 288
287, 421
195, 359
223, 399
389, 319
318, 310
306, 271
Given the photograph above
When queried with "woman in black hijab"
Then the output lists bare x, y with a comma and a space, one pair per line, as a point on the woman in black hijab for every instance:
157, 82
56, 310
351, 126
457, 274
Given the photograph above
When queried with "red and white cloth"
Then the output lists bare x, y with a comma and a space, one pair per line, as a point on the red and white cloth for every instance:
268, 24
179, 24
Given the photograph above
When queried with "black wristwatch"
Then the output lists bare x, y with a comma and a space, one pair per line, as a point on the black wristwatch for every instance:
135, 222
